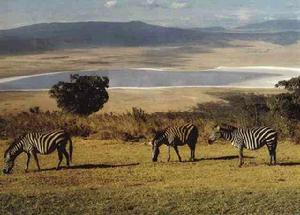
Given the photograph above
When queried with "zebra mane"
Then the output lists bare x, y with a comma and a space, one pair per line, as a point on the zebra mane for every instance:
159, 135
13, 143
228, 127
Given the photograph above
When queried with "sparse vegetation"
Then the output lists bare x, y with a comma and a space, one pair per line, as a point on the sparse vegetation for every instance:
241, 110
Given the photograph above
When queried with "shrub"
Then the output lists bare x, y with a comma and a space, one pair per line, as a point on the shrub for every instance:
84, 95
288, 104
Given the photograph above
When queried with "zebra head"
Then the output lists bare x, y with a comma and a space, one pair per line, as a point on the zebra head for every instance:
225, 132
156, 143
10, 155
8, 162
215, 134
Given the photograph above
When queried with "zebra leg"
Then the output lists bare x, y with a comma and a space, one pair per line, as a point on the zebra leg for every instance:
192, 148
66, 154
36, 161
169, 154
272, 155
27, 163
177, 152
60, 157
241, 157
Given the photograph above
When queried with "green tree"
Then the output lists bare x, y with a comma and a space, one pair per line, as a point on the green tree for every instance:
287, 104
83, 95
248, 108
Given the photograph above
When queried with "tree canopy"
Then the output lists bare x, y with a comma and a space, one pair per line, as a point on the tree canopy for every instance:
288, 104
83, 95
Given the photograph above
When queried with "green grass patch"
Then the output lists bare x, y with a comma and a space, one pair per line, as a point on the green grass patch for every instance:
111, 177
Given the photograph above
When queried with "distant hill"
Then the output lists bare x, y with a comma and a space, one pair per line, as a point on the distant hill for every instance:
211, 29
85, 34
273, 26
51, 36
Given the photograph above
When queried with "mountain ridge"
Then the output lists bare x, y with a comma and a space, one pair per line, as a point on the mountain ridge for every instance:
58, 35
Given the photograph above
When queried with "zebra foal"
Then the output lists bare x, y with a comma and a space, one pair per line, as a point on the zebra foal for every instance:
252, 139
38, 143
175, 136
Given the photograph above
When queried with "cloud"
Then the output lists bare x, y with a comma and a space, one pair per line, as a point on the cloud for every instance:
243, 14
178, 5
175, 4
292, 4
150, 2
110, 3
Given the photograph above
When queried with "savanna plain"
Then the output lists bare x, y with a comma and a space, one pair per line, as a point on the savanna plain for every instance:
114, 176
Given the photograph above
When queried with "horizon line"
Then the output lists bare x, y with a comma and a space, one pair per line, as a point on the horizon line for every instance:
144, 22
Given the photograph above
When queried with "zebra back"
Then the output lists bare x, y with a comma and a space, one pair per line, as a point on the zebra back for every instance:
256, 137
182, 133
43, 142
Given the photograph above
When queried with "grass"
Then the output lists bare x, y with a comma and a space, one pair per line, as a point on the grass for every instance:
111, 177
158, 100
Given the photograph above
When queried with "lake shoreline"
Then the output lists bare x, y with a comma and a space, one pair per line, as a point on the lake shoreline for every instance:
266, 78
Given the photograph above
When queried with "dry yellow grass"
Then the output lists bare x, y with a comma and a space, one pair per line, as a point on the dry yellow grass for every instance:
193, 58
120, 101
246, 54
111, 177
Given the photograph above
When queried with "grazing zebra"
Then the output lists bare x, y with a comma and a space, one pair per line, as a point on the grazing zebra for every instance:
252, 139
34, 143
175, 136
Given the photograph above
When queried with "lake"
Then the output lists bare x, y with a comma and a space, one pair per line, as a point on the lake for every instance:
135, 78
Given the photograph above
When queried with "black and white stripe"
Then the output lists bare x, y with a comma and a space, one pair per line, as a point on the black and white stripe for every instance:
39, 143
252, 139
175, 136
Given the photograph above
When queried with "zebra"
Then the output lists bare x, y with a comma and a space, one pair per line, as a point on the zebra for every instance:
175, 136
34, 143
252, 139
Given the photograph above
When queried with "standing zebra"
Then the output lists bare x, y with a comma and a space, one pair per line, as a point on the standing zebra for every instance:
252, 139
175, 136
34, 143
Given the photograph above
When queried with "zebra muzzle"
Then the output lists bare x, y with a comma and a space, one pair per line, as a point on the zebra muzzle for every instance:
210, 141
5, 171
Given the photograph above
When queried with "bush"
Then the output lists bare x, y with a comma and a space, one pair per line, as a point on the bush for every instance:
240, 110
132, 126
84, 95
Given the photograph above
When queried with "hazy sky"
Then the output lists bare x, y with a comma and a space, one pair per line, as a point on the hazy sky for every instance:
182, 13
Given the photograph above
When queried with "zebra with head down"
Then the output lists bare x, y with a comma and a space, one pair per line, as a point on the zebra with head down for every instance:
38, 143
173, 137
